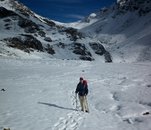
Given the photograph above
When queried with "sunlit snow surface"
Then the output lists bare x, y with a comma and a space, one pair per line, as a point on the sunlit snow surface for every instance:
40, 95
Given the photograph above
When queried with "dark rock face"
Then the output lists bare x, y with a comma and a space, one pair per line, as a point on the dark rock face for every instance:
146, 113
50, 23
61, 45
28, 25
48, 39
142, 6
6, 13
149, 85
74, 34
80, 49
26, 43
7, 20
49, 49
107, 56
16, 43
7, 26
3, 90
32, 42
41, 33
87, 58
98, 48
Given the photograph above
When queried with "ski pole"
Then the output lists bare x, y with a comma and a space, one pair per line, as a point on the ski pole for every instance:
76, 101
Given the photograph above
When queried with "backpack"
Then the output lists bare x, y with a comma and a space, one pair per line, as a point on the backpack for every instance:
85, 83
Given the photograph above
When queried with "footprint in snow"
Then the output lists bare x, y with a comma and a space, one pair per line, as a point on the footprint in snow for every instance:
70, 122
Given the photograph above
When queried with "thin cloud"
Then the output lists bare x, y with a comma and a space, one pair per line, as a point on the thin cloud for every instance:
77, 16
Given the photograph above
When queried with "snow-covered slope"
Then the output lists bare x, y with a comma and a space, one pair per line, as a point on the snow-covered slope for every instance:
39, 95
125, 28
24, 34
120, 33
92, 18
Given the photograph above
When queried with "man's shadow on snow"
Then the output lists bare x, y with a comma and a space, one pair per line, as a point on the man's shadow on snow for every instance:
54, 105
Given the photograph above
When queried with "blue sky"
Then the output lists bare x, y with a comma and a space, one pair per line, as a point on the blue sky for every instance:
66, 10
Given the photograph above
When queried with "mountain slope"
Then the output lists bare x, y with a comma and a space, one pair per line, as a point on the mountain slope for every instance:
25, 34
120, 33
125, 28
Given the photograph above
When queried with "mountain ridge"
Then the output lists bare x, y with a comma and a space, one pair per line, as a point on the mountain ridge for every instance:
122, 29
38, 37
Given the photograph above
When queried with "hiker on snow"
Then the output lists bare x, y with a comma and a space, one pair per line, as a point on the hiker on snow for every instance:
82, 90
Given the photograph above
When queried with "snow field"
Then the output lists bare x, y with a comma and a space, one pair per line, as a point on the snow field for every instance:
40, 95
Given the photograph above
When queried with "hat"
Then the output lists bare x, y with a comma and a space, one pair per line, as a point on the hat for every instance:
81, 78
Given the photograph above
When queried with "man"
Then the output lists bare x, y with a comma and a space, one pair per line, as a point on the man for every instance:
82, 90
